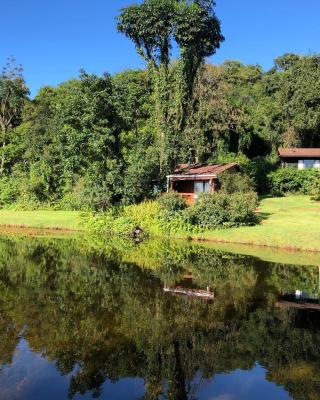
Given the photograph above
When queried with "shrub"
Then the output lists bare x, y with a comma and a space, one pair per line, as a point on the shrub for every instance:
14, 194
219, 210
170, 215
150, 216
8, 191
232, 182
292, 180
257, 168
172, 203
315, 189
260, 168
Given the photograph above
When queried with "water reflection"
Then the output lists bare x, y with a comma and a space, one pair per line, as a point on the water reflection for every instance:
83, 319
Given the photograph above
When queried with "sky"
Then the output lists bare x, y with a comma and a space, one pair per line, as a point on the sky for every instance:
54, 39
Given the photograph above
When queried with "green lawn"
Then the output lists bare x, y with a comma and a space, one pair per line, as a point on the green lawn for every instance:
41, 219
289, 222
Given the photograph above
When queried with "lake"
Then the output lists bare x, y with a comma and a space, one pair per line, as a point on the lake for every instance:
84, 318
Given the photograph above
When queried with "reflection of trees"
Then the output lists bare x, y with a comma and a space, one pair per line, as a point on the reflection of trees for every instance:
96, 312
8, 331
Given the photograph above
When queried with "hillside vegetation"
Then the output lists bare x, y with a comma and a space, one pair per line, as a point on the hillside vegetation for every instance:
106, 143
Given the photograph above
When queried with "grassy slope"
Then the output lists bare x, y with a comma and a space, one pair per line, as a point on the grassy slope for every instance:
41, 219
289, 222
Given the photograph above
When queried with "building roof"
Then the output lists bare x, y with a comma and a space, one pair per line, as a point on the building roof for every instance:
299, 152
198, 170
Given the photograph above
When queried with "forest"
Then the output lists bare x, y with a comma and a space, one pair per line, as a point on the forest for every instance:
97, 141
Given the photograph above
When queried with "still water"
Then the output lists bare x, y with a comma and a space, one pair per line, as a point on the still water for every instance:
82, 318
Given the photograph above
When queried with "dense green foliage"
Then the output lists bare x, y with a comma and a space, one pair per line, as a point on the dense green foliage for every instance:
97, 141
172, 203
90, 142
315, 189
154, 26
155, 218
169, 215
236, 182
222, 210
293, 180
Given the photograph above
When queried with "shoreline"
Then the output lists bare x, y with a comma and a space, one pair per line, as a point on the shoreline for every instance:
27, 230
268, 246
290, 224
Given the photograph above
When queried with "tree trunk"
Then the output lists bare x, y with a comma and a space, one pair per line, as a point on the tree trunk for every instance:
2, 160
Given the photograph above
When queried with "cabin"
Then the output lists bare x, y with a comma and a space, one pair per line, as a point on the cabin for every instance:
301, 158
191, 180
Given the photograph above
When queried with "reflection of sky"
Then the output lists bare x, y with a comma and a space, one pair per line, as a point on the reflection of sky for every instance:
242, 385
31, 377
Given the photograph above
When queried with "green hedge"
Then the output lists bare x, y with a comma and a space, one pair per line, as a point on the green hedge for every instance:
292, 180
223, 210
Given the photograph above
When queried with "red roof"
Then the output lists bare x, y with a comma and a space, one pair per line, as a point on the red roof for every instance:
299, 152
198, 169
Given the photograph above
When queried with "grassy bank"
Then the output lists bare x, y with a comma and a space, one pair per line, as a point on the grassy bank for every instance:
43, 219
288, 222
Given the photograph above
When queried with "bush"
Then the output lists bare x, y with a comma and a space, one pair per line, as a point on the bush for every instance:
292, 180
150, 216
170, 215
14, 195
315, 190
8, 191
260, 168
220, 210
257, 168
232, 182
172, 203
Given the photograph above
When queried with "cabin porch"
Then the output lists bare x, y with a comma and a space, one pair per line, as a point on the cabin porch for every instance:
190, 189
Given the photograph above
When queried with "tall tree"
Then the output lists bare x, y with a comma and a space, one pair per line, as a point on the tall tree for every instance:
13, 93
153, 26
299, 96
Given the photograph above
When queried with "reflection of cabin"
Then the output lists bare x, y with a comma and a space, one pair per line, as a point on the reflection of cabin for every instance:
187, 288
300, 158
191, 180
202, 294
306, 305
299, 300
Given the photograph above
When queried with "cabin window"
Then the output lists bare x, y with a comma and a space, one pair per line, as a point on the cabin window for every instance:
201, 187
308, 163
304, 164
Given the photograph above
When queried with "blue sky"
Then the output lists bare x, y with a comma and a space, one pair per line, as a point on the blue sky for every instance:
53, 39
